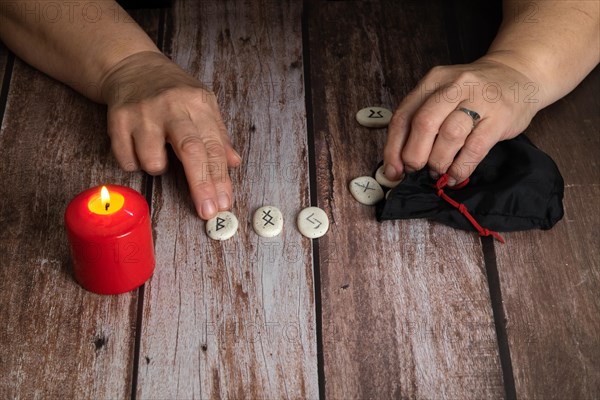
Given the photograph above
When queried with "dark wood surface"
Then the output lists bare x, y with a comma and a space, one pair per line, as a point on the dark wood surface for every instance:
56, 340
54, 145
236, 319
550, 279
403, 316
407, 309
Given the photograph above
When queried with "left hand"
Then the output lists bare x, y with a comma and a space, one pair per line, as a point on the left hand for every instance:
428, 128
151, 103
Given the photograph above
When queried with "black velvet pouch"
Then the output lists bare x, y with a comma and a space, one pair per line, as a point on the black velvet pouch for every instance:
516, 187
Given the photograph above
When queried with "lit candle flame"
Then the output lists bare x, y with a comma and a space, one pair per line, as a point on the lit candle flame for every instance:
105, 202
105, 196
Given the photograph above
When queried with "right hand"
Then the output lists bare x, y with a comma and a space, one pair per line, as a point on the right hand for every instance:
429, 129
152, 101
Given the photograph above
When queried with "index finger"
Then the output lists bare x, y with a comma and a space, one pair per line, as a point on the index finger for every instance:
203, 159
476, 147
397, 134
425, 126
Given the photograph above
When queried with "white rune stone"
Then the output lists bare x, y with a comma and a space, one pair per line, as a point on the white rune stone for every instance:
384, 181
312, 222
366, 190
374, 117
267, 221
223, 226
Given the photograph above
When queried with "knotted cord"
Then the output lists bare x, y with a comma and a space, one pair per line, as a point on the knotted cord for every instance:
441, 183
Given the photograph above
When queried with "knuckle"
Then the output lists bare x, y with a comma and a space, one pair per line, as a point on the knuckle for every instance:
117, 113
453, 132
438, 166
117, 129
176, 99
476, 148
414, 165
462, 170
465, 76
214, 148
400, 119
424, 124
411, 161
192, 146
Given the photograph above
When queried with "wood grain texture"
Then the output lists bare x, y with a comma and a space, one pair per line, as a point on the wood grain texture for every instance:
56, 339
54, 145
235, 319
550, 279
406, 309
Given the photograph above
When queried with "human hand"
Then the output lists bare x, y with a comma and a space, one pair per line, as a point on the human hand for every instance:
428, 128
151, 101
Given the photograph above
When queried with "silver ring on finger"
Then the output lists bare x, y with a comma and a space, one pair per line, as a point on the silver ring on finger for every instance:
473, 114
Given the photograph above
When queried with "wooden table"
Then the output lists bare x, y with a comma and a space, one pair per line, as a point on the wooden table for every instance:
406, 309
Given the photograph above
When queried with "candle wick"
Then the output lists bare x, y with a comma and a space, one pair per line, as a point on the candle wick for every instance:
106, 206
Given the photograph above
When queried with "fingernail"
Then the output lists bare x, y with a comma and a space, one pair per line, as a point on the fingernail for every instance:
390, 172
237, 154
409, 170
223, 200
208, 209
433, 174
451, 181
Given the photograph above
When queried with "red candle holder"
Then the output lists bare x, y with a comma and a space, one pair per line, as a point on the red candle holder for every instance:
110, 239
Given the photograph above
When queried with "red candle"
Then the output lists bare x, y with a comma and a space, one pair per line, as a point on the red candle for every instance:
110, 238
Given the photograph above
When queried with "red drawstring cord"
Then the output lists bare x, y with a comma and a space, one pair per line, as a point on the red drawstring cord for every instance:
439, 185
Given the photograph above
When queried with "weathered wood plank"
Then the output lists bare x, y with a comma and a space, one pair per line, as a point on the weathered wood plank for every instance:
406, 309
550, 279
236, 319
56, 339
54, 145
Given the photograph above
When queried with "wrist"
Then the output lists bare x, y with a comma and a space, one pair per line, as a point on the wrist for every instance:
534, 80
139, 74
